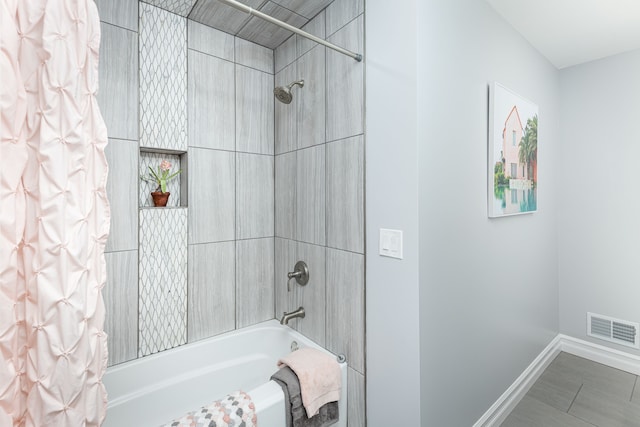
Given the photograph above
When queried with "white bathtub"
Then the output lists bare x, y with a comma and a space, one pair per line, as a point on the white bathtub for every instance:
154, 390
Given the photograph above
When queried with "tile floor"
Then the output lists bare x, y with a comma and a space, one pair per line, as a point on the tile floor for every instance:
576, 392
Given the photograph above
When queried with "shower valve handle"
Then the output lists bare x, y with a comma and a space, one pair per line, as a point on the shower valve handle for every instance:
300, 273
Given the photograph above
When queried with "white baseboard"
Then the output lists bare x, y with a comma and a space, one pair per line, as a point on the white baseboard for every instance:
588, 350
510, 398
601, 354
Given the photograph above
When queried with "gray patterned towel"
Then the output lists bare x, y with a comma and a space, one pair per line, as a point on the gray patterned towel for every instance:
234, 410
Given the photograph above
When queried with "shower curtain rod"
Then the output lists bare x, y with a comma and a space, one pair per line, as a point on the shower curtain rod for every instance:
251, 11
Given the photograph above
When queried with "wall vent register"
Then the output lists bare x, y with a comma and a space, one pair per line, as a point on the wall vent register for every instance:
613, 330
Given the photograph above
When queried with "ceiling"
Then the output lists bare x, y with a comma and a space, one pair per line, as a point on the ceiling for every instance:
218, 15
571, 32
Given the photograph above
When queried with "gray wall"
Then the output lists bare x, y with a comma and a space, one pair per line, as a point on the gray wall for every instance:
599, 198
393, 310
483, 315
488, 288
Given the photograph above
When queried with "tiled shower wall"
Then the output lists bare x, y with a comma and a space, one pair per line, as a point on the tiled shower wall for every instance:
319, 151
170, 83
317, 158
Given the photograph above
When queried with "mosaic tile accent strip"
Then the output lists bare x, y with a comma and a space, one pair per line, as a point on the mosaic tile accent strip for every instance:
163, 79
180, 7
153, 160
163, 279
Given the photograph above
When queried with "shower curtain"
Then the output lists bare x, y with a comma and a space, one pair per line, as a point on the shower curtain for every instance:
54, 215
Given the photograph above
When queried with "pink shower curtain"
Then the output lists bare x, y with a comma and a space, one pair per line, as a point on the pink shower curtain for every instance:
54, 215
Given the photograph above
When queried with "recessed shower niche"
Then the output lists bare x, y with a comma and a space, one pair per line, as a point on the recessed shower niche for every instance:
152, 158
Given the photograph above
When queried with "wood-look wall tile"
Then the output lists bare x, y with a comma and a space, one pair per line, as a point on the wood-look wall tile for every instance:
345, 194
122, 184
212, 195
285, 54
345, 86
254, 281
212, 291
211, 102
122, 13
311, 104
312, 295
285, 260
210, 41
316, 27
254, 111
121, 304
341, 12
345, 306
254, 196
356, 416
254, 56
310, 195
285, 195
118, 94
286, 118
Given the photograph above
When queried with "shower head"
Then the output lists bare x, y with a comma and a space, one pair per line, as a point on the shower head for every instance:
283, 94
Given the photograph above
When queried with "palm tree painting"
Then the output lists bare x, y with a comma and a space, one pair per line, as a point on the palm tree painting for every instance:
513, 153
528, 147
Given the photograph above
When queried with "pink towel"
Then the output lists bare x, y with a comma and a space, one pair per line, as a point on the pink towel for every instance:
319, 375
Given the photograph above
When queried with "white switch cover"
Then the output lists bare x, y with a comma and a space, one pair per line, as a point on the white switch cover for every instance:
391, 243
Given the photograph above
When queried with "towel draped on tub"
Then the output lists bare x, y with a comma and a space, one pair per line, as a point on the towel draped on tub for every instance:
311, 381
234, 410
295, 414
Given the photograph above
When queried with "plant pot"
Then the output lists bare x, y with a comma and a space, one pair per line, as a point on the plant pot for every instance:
160, 199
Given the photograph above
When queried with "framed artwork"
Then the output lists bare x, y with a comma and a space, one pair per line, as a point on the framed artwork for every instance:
513, 153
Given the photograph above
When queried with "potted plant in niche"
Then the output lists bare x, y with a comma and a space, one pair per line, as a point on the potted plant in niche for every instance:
160, 178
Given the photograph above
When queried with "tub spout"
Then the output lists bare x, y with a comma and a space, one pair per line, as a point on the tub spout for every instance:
288, 316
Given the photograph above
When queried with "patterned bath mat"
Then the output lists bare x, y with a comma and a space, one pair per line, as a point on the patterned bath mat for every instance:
234, 410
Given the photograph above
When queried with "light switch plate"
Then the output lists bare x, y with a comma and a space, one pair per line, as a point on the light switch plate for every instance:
391, 243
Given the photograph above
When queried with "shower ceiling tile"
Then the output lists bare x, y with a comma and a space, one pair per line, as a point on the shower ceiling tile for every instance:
306, 8
179, 7
225, 18
267, 34
222, 17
